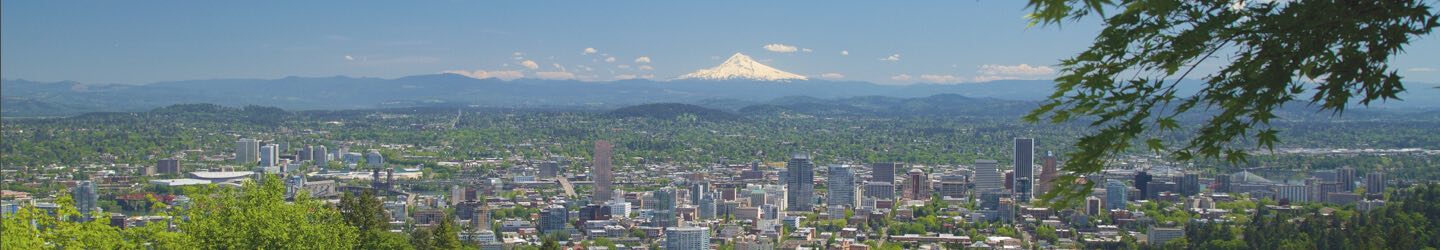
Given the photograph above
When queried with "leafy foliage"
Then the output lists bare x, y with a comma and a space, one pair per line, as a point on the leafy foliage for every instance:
1334, 52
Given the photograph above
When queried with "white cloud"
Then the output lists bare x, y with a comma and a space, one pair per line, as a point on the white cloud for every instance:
623, 66
892, 58
940, 79
1422, 69
558, 66
987, 78
555, 75
349, 58
482, 74
610, 59
517, 53
781, 48
806, 50
625, 77
844, 52
646, 67
643, 59
900, 77
832, 76
530, 64
589, 51
1015, 70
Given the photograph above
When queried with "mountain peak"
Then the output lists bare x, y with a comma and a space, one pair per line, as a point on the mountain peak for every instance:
741, 66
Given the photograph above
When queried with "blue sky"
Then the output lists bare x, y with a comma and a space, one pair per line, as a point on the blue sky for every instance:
936, 41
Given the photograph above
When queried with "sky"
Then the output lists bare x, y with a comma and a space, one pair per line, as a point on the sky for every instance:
937, 42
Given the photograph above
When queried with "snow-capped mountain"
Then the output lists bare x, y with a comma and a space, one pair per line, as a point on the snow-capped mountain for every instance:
740, 66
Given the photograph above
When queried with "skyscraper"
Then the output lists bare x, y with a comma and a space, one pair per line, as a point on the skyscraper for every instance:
917, 185
247, 151
320, 155
1375, 182
883, 172
1048, 172
1024, 168
1190, 184
840, 186
86, 201
601, 171
1115, 195
1142, 182
664, 215
697, 191
269, 155
687, 238
987, 175
800, 183
1346, 177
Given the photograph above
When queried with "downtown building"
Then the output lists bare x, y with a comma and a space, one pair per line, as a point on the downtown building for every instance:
840, 187
1024, 169
800, 183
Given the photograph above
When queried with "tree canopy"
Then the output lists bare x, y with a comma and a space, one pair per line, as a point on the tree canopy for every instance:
1330, 54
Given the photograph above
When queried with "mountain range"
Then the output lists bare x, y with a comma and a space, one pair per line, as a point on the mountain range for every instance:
22, 98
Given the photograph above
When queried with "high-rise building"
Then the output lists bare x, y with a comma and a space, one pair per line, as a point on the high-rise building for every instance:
706, 208
1093, 205
548, 169
884, 172
800, 183
1292, 193
320, 155
168, 166
697, 191
1115, 192
553, 219
269, 155
880, 190
1190, 184
600, 169
664, 209
917, 185
304, 154
987, 175
1222, 183
1375, 182
953, 186
1346, 177
374, 159
1024, 168
840, 186
247, 151
86, 201
1142, 182
687, 238
1048, 173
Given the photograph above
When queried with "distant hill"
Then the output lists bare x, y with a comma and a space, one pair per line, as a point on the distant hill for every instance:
31, 98
673, 111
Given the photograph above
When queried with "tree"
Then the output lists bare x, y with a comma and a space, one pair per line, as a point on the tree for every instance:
257, 216
367, 214
1127, 82
446, 235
